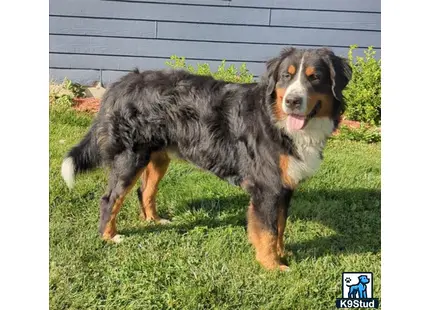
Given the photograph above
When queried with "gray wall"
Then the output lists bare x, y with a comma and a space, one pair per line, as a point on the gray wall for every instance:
93, 39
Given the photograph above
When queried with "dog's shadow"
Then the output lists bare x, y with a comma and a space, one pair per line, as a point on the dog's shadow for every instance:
225, 211
331, 221
342, 221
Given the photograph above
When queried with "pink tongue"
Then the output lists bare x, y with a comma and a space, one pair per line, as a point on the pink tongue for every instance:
295, 122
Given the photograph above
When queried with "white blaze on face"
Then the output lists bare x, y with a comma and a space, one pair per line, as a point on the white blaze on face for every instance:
297, 89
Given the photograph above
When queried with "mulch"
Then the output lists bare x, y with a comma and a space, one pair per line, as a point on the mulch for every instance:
92, 105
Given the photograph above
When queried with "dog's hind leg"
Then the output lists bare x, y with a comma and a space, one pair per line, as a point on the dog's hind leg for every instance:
125, 170
151, 177
282, 218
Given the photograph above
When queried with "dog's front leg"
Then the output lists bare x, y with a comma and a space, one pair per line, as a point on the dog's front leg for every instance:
362, 292
283, 205
263, 229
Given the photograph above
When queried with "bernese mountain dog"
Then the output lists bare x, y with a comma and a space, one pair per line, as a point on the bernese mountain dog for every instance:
265, 137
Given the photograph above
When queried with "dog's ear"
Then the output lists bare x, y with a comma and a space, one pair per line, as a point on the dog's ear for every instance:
340, 72
270, 77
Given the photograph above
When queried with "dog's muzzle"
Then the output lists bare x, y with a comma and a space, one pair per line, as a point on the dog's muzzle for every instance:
314, 111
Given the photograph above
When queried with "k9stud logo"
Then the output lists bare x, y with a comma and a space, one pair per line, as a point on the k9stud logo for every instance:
357, 291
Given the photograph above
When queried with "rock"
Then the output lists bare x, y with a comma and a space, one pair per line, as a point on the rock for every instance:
96, 91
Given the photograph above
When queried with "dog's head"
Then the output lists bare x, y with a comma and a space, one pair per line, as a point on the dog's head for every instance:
363, 279
306, 84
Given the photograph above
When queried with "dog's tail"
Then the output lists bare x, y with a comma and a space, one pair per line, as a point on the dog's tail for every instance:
82, 157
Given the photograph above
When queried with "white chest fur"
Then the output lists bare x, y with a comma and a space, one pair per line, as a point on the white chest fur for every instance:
309, 144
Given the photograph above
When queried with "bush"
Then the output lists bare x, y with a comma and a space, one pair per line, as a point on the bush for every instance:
363, 93
230, 74
63, 94
369, 134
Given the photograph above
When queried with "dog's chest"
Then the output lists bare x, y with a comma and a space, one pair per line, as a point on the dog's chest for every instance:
304, 167
309, 144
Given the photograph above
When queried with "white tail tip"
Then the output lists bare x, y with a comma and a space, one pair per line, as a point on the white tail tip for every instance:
68, 172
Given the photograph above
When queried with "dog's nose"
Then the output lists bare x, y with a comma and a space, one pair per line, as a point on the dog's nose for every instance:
293, 102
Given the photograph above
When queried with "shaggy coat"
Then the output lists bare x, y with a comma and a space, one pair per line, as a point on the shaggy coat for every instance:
265, 137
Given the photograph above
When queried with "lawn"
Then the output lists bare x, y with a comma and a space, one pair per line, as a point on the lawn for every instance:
203, 259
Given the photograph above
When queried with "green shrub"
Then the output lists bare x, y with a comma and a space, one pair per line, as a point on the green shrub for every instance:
62, 94
77, 89
230, 74
369, 134
363, 93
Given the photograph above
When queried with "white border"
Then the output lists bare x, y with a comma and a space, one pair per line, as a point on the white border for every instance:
405, 155
24, 242
24, 167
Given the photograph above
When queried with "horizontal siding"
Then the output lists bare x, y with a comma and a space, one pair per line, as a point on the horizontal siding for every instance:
165, 48
121, 63
214, 33
159, 12
111, 37
255, 34
325, 5
85, 77
322, 5
331, 5
339, 20
105, 27
185, 2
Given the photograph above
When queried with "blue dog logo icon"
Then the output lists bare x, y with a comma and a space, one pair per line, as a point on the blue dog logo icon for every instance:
358, 290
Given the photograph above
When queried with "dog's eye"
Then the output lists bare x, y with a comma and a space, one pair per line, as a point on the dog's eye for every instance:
286, 76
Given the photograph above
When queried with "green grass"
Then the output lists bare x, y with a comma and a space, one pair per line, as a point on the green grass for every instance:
203, 259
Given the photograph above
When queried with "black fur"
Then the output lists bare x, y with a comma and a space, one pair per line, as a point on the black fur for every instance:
340, 75
86, 155
226, 128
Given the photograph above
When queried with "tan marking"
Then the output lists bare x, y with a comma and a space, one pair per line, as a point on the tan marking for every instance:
309, 71
265, 242
283, 165
151, 177
278, 112
282, 216
327, 101
110, 230
291, 69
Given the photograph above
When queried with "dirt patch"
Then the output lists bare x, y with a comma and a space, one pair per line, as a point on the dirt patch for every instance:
91, 105
348, 123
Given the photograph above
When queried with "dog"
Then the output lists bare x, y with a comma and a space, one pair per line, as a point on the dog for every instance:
265, 137
360, 288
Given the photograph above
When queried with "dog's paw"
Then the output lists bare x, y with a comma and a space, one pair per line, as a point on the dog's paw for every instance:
117, 239
284, 268
163, 221
154, 219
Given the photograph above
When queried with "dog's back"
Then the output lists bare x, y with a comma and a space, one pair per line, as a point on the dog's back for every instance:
197, 117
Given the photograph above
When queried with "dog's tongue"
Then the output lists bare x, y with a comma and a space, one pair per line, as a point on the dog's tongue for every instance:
295, 122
